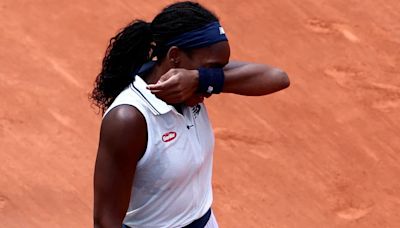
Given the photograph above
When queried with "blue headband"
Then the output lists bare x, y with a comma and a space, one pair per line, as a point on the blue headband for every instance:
202, 37
205, 36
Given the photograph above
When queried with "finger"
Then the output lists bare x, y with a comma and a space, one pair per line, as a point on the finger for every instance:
164, 89
160, 85
164, 85
165, 93
167, 75
155, 91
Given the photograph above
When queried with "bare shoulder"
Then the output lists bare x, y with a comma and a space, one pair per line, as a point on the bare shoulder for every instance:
123, 117
123, 127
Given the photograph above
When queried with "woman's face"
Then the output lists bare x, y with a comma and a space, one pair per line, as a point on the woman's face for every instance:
214, 56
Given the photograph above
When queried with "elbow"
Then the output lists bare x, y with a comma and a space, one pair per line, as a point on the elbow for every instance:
279, 79
284, 80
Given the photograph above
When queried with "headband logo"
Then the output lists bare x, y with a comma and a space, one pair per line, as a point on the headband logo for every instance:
221, 31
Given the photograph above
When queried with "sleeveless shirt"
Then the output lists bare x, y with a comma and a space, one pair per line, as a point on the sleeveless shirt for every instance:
172, 182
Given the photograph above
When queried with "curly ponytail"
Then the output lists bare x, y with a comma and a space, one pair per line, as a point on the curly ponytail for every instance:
126, 51
130, 48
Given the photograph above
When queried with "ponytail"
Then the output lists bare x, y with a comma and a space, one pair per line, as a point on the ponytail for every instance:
130, 48
126, 52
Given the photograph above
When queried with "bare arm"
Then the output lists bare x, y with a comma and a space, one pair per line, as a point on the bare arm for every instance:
123, 139
253, 79
249, 79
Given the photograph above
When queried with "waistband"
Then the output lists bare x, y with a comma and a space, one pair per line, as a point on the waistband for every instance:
201, 222
198, 223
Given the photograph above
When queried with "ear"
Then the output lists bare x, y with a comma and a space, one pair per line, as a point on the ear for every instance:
174, 56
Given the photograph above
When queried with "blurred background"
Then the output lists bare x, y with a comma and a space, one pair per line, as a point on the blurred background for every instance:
323, 153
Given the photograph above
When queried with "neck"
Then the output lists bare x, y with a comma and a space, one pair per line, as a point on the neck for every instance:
155, 74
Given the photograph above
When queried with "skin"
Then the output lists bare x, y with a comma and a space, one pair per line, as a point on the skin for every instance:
179, 84
116, 164
123, 133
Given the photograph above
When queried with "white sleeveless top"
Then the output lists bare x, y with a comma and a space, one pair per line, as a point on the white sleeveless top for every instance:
172, 183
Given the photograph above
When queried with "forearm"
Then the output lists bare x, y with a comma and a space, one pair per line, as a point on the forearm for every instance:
253, 79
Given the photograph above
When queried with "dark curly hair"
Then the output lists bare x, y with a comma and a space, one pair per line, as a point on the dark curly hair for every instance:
130, 48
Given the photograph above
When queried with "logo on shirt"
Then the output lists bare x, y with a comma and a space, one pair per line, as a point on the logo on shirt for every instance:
196, 111
169, 136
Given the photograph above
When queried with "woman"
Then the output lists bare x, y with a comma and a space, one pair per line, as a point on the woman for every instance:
154, 162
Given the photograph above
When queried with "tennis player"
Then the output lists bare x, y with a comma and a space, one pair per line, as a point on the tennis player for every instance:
154, 161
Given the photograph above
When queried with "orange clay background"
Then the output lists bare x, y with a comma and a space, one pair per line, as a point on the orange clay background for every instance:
323, 153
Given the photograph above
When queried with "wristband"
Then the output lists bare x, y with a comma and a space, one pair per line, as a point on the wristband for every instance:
211, 80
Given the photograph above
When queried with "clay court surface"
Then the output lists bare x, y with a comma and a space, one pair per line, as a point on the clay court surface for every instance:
324, 153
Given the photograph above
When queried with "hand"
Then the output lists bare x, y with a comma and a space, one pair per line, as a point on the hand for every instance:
176, 86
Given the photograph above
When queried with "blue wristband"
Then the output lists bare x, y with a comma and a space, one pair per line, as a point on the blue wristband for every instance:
211, 80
